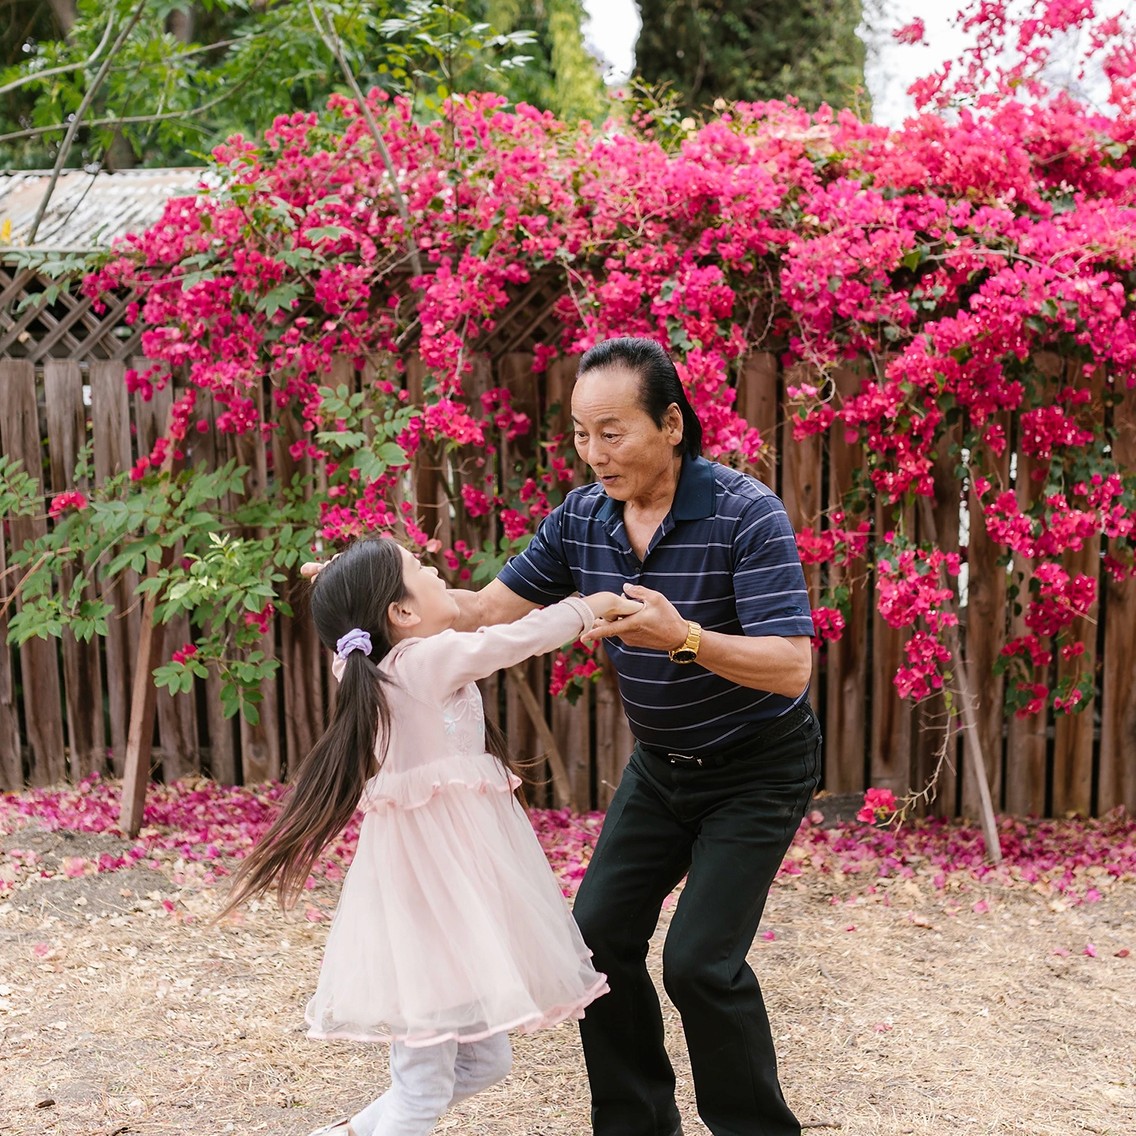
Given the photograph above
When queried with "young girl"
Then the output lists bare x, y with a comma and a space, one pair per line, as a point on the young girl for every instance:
451, 928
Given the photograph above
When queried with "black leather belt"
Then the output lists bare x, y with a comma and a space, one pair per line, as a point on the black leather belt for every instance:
772, 731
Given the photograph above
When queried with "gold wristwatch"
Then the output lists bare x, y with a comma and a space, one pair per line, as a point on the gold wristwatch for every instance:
688, 652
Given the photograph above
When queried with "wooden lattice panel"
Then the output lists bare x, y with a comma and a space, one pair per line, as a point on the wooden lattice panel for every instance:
528, 319
69, 328
66, 328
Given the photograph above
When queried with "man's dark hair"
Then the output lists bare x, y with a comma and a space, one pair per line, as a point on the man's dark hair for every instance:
659, 383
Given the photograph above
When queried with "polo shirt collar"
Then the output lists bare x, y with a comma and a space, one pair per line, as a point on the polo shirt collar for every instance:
694, 496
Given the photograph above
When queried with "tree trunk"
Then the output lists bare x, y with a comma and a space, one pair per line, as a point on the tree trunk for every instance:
179, 23
66, 12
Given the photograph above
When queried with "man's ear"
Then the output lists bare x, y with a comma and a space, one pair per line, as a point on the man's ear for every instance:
402, 616
672, 421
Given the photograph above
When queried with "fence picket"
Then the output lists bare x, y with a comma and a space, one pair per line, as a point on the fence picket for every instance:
11, 741
802, 486
178, 742
82, 662
20, 436
846, 659
935, 731
1026, 737
209, 450
110, 432
261, 755
984, 634
571, 727
891, 730
1117, 786
301, 654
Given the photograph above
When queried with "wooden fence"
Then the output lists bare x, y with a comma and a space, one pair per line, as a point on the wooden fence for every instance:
64, 705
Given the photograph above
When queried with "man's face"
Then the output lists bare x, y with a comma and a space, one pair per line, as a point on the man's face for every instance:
632, 458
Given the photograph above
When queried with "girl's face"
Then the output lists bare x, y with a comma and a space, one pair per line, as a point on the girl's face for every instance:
427, 597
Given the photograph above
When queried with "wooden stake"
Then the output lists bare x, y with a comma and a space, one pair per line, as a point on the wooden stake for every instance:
143, 698
139, 739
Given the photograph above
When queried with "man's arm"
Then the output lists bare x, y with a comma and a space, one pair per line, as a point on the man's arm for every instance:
780, 664
495, 603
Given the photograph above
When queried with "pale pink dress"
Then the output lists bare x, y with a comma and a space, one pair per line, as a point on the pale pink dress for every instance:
450, 923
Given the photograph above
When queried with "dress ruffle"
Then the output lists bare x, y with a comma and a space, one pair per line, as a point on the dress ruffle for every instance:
416, 787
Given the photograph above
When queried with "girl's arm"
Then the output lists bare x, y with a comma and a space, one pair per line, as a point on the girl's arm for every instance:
445, 662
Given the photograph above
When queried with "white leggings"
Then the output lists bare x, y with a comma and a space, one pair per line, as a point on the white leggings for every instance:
427, 1080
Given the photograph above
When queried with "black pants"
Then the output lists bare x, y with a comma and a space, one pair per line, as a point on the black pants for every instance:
726, 828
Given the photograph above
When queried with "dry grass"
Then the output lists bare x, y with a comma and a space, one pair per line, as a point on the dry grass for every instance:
927, 1018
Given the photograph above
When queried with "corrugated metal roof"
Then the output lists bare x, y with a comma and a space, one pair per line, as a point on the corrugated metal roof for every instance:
87, 210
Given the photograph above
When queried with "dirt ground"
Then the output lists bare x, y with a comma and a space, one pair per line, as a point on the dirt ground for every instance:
897, 1008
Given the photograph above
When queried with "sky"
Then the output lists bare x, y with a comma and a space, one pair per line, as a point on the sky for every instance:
613, 25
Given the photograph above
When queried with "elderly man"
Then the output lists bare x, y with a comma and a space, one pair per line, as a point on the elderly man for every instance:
713, 671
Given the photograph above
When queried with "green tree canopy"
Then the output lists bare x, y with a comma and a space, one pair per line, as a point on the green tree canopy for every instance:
160, 83
753, 50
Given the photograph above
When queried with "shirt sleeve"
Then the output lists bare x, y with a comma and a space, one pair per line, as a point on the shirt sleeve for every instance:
541, 574
769, 582
440, 664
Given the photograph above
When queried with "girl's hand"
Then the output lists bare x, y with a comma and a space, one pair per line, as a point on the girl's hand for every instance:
610, 607
653, 622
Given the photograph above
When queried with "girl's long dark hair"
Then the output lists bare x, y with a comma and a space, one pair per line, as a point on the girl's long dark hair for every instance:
353, 590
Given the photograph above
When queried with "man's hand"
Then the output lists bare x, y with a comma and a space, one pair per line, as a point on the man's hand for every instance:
607, 606
310, 569
653, 621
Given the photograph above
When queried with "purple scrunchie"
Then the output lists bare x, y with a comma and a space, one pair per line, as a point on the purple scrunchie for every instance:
355, 640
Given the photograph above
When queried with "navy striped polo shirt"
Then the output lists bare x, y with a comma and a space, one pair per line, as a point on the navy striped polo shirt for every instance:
725, 556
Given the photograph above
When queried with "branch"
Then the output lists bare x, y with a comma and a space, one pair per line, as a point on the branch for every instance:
63, 69
972, 743
88, 98
130, 119
561, 786
331, 38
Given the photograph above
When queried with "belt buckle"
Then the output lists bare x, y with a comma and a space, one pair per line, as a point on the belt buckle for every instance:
683, 758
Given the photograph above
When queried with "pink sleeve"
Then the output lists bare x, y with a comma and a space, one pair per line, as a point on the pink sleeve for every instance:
443, 663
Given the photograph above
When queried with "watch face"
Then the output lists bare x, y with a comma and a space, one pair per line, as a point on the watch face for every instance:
684, 655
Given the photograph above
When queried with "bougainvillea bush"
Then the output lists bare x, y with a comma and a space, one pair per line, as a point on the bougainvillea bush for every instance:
975, 265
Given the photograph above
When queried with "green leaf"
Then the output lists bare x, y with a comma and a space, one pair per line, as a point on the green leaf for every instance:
281, 297
326, 233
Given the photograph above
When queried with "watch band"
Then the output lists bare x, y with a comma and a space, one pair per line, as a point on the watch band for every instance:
688, 651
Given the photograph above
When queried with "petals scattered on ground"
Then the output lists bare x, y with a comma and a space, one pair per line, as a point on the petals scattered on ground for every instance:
202, 827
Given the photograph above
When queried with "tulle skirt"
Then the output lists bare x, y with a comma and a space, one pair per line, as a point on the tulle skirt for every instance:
450, 924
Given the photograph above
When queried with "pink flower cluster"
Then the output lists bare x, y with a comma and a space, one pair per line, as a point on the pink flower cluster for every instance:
879, 805
66, 501
572, 669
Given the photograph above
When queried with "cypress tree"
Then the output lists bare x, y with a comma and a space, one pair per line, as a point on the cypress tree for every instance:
752, 50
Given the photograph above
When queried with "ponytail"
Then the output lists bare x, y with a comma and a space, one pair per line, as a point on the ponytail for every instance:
351, 593
325, 793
